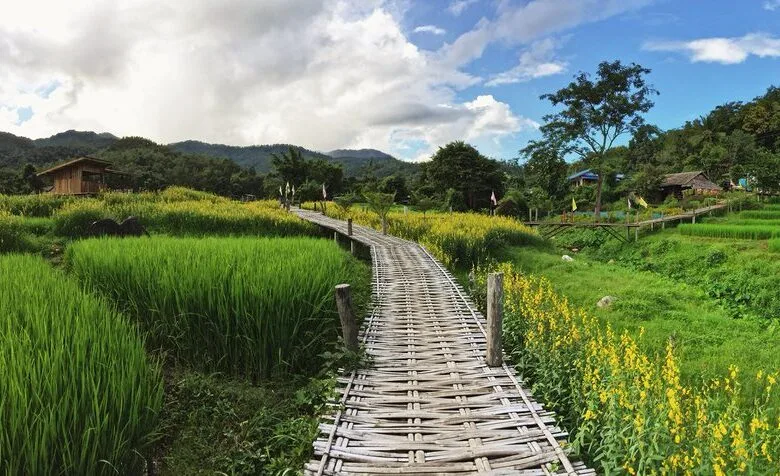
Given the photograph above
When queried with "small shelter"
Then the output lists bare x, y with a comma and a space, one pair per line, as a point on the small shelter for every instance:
81, 176
674, 184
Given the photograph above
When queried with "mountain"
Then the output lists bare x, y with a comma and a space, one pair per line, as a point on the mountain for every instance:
83, 140
359, 154
355, 162
257, 156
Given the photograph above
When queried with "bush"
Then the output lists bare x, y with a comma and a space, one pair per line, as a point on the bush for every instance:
77, 393
43, 205
74, 218
244, 306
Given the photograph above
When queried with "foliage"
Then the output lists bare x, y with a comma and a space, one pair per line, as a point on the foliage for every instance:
768, 214
380, 203
459, 166
774, 245
307, 175
628, 409
63, 408
596, 112
216, 425
244, 306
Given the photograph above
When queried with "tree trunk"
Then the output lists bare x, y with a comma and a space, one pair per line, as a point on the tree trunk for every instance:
597, 211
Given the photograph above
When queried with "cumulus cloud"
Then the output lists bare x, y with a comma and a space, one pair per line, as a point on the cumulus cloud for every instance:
324, 74
459, 6
535, 62
430, 29
722, 50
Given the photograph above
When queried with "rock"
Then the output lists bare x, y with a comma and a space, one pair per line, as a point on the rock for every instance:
606, 301
575, 250
611, 261
567, 258
104, 227
131, 226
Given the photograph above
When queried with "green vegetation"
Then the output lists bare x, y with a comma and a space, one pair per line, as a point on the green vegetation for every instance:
769, 214
774, 245
742, 232
246, 307
78, 395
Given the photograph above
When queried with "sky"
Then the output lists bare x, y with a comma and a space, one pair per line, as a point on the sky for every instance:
402, 76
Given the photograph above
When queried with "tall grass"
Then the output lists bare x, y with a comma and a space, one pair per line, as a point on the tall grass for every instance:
743, 232
247, 307
766, 214
77, 392
774, 245
41, 205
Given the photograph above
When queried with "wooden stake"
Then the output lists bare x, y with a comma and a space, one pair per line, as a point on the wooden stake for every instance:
349, 226
495, 316
384, 226
336, 237
349, 327
352, 247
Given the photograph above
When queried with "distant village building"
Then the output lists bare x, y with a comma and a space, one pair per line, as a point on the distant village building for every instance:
588, 177
675, 184
80, 176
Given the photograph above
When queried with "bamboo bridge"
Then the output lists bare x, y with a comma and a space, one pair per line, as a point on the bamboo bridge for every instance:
428, 403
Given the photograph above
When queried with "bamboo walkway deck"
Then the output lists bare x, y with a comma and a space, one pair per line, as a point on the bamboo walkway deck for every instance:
429, 404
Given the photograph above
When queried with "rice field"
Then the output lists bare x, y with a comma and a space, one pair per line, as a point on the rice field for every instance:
457, 239
250, 307
764, 214
774, 245
741, 232
78, 394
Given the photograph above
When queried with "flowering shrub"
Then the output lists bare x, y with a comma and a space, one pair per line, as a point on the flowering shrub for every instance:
627, 410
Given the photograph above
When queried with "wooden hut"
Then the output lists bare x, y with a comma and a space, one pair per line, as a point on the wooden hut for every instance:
674, 184
80, 176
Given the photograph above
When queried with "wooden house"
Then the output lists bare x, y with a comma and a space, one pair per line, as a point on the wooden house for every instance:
674, 184
80, 176
588, 177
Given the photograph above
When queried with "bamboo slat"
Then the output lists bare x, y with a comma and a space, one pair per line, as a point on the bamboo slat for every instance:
430, 404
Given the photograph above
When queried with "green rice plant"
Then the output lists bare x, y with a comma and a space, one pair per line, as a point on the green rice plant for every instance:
41, 205
766, 214
740, 232
244, 306
74, 218
78, 394
774, 245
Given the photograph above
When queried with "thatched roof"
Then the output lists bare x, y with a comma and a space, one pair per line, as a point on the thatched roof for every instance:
696, 179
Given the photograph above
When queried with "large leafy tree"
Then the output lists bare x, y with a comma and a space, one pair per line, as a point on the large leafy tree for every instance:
544, 171
596, 111
459, 166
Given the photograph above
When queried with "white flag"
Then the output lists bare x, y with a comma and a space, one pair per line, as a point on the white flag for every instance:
287, 188
493, 198
280, 191
324, 193
293, 190
629, 202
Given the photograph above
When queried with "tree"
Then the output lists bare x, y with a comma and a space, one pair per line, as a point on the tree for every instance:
380, 203
291, 167
545, 169
461, 167
597, 112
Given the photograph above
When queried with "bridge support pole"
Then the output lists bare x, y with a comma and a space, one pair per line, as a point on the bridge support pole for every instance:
349, 226
352, 247
495, 316
349, 327
693, 220
336, 237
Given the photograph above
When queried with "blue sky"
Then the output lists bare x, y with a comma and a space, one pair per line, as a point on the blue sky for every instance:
688, 88
403, 76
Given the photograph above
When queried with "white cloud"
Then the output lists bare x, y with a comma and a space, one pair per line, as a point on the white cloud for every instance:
771, 5
722, 50
430, 29
517, 24
459, 6
324, 74
535, 62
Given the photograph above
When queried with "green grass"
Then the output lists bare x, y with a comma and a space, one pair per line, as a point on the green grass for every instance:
740, 232
766, 214
215, 425
774, 245
709, 339
78, 395
244, 306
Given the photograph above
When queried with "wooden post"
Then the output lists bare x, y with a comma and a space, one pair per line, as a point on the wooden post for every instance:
495, 316
352, 247
349, 326
336, 237
384, 226
693, 219
529, 215
652, 226
349, 226
636, 233
628, 232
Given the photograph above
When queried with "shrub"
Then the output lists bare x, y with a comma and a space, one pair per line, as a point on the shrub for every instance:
744, 232
245, 306
628, 411
74, 218
77, 393
42, 205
